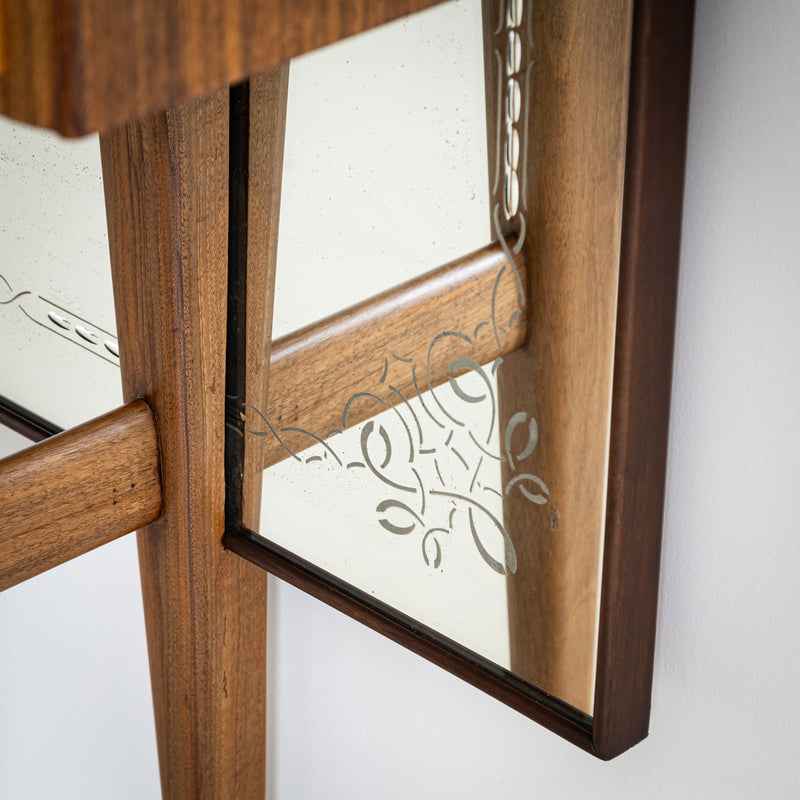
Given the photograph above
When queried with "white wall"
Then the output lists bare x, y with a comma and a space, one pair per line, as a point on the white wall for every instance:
354, 716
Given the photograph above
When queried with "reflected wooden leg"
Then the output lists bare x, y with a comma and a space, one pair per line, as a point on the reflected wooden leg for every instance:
166, 186
566, 206
267, 104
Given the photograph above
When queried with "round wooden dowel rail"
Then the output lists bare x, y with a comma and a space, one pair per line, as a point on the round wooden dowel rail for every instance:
77, 491
315, 370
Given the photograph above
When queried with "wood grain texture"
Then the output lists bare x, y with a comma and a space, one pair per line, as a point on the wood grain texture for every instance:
258, 119
650, 232
315, 371
166, 186
268, 96
78, 490
650, 250
572, 129
28, 83
3, 46
91, 65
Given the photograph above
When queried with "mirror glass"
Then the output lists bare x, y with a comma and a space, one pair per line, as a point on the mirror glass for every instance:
384, 162
403, 490
400, 492
59, 353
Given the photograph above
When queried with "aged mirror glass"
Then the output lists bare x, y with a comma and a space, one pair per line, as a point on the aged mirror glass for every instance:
450, 421
60, 357
394, 464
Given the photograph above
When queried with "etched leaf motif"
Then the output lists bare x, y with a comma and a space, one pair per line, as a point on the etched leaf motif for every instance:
533, 436
378, 471
509, 553
460, 364
392, 527
439, 443
437, 549
520, 481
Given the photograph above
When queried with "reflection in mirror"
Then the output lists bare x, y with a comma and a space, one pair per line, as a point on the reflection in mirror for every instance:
407, 505
59, 350
385, 128
390, 455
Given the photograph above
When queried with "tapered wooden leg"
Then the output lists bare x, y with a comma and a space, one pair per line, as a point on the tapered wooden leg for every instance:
166, 185
556, 82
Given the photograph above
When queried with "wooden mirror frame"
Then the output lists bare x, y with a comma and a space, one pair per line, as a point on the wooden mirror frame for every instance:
171, 182
655, 108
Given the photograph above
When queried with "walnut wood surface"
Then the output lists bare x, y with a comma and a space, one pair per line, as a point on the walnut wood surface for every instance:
166, 185
650, 250
267, 124
91, 65
268, 95
571, 198
77, 491
316, 370
3, 46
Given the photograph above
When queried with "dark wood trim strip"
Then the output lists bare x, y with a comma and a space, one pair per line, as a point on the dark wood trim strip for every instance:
78, 490
567, 722
236, 337
25, 422
269, 93
651, 227
351, 348
257, 133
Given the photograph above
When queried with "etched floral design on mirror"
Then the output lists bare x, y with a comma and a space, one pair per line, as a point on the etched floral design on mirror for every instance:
433, 459
388, 461
445, 460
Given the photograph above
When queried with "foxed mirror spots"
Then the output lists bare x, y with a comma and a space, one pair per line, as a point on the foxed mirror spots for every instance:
454, 460
385, 162
60, 357
381, 429
437, 452
399, 490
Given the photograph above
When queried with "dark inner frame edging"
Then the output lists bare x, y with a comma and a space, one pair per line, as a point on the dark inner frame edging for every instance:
25, 422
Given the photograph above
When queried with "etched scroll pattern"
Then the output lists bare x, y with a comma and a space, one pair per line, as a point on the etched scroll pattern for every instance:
512, 65
59, 320
433, 460
396, 455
